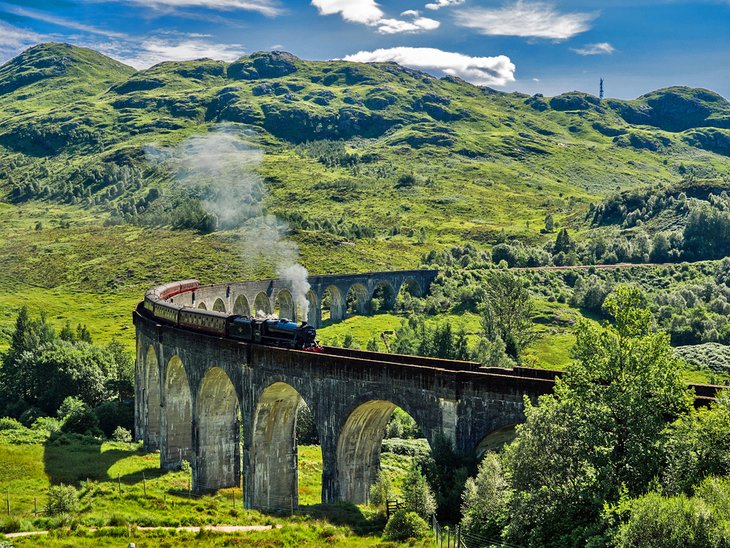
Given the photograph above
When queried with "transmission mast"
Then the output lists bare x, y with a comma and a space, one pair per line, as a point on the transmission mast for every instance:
600, 90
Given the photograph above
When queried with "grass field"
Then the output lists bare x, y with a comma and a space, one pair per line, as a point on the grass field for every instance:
122, 486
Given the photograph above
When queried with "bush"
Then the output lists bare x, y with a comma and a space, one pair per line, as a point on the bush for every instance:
62, 499
81, 422
122, 434
668, 522
47, 423
9, 423
404, 525
30, 415
112, 414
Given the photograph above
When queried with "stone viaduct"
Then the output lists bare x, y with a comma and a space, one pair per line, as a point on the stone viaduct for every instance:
331, 292
230, 407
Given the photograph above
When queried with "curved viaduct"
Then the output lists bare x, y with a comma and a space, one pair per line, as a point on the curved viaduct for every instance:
230, 407
278, 295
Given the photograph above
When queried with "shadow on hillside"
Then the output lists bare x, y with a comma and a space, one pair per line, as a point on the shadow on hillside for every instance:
71, 459
344, 514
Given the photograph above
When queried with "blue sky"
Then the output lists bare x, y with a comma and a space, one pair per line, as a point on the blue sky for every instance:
526, 45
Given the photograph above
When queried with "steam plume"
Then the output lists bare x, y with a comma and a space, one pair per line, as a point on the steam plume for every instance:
221, 171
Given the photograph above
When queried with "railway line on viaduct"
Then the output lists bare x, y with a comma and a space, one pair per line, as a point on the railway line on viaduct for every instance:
230, 407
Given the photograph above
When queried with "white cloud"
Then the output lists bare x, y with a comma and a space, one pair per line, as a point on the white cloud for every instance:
416, 24
153, 50
265, 7
601, 48
15, 38
367, 12
486, 71
443, 4
527, 19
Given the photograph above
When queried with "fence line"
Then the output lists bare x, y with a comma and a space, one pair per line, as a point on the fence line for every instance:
457, 538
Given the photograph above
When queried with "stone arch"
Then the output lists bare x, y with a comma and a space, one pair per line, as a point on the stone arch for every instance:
241, 307
358, 449
357, 300
407, 290
202, 306
284, 305
333, 304
496, 440
219, 305
178, 415
262, 303
313, 313
152, 430
273, 453
383, 297
218, 451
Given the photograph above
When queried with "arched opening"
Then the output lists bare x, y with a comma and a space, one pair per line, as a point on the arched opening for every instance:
274, 453
409, 290
241, 307
218, 458
333, 305
496, 440
357, 300
152, 438
284, 305
202, 306
262, 304
359, 448
178, 415
219, 306
383, 299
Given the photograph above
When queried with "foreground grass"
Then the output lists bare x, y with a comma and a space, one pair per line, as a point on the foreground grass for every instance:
121, 486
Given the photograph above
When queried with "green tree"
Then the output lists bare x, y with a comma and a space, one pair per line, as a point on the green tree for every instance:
485, 505
507, 313
563, 242
602, 430
549, 223
698, 446
417, 494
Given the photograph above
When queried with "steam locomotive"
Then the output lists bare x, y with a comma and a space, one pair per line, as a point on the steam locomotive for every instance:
281, 332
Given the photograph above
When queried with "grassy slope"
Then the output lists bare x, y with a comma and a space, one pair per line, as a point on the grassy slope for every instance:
27, 470
483, 162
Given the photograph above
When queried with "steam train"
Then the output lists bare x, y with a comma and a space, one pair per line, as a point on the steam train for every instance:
273, 332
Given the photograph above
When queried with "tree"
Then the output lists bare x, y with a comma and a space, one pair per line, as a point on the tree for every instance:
698, 446
563, 242
549, 223
602, 430
507, 313
485, 505
417, 494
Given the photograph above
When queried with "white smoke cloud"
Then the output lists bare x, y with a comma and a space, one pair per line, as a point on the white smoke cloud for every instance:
221, 171
486, 71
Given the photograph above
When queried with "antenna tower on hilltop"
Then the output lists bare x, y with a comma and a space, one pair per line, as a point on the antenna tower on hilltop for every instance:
600, 90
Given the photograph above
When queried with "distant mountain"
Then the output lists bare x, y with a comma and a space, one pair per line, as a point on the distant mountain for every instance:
72, 119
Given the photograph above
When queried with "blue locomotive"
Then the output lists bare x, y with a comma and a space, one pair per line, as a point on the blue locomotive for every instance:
282, 332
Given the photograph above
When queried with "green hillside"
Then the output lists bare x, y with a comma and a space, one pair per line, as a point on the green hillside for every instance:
371, 166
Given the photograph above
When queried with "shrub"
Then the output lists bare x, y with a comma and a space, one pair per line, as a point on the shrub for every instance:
112, 414
30, 415
62, 499
47, 423
81, 422
404, 525
122, 434
9, 423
